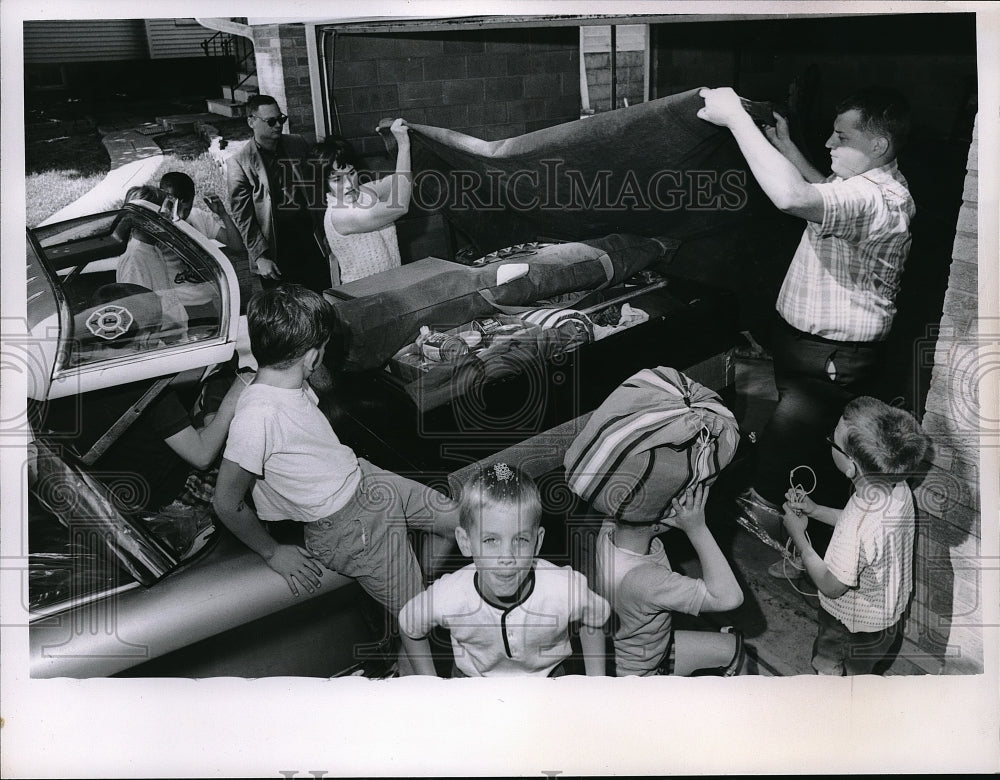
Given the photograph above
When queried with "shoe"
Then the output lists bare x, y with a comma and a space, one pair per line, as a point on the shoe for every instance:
790, 568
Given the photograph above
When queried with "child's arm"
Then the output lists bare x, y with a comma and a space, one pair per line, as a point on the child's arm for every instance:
827, 583
724, 591
592, 643
290, 561
808, 507
200, 447
416, 619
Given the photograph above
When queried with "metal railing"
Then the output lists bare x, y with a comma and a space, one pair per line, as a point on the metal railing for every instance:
224, 44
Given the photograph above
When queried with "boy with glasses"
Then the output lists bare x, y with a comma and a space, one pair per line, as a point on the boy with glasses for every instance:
866, 576
271, 198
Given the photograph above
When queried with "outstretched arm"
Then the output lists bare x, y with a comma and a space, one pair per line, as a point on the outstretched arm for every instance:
200, 447
780, 179
392, 193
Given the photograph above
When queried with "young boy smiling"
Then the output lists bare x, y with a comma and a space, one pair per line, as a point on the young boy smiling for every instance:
508, 611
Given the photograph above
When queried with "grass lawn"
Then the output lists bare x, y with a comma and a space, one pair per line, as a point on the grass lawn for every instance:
63, 169
60, 170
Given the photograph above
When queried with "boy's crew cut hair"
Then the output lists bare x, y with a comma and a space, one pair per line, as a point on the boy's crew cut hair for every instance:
883, 439
499, 484
884, 111
285, 322
180, 183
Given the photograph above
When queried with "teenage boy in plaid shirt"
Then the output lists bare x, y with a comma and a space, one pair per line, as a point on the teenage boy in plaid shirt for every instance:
837, 302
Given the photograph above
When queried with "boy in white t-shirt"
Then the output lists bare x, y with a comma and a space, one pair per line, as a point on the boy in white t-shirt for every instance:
282, 447
865, 578
509, 612
213, 222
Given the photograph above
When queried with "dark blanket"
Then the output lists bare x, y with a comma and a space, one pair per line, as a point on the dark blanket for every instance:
652, 169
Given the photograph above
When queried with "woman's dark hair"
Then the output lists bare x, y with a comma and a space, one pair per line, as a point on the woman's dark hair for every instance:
336, 152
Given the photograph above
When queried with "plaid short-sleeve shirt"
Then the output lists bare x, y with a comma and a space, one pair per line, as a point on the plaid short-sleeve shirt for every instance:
844, 277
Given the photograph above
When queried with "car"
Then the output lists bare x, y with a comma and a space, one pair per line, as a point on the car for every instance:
110, 593
114, 594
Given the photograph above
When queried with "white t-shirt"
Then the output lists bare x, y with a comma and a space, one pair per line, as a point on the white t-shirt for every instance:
304, 472
643, 590
205, 222
527, 637
871, 551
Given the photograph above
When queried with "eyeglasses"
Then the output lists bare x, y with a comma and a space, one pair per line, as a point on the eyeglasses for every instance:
837, 447
271, 121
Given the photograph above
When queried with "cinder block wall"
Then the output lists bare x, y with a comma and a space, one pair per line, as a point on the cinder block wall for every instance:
629, 78
946, 615
490, 84
283, 72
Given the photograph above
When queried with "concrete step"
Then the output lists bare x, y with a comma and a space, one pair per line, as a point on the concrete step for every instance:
240, 95
247, 80
184, 122
225, 107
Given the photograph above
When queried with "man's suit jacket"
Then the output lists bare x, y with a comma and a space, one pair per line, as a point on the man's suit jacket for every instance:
250, 200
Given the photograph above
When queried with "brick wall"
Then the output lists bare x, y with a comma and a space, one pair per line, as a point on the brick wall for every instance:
946, 615
490, 84
629, 75
283, 72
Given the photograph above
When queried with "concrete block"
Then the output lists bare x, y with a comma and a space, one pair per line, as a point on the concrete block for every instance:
503, 88
478, 65
968, 217
428, 93
400, 69
464, 44
542, 85
463, 92
964, 276
966, 248
445, 67
356, 74
971, 191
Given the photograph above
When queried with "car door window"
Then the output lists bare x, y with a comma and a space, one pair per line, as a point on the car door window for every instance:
153, 292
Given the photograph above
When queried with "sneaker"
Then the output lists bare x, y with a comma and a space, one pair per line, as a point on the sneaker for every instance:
790, 568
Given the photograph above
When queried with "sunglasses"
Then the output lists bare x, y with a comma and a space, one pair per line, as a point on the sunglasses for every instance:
837, 447
271, 121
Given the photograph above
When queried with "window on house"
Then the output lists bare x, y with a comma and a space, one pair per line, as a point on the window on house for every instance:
630, 53
47, 76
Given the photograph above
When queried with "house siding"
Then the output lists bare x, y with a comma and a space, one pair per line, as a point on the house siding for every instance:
92, 40
168, 39
84, 40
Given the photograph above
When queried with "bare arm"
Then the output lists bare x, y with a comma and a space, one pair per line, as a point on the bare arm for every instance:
230, 234
200, 447
592, 644
781, 139
780, 179
724, 591
392, 194
290, 561
827, 583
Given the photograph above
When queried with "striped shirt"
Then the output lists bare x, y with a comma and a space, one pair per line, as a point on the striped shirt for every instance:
871, 551
844, 277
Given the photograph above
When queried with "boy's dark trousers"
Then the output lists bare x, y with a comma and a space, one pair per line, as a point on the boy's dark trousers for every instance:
838, 651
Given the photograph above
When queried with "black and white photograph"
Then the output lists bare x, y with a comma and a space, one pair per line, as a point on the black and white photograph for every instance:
640, 358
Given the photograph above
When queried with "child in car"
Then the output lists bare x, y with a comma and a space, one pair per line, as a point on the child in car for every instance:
866, 576
508, 612
283, 448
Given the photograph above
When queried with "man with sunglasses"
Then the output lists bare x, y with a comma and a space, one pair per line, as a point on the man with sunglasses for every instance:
271, 198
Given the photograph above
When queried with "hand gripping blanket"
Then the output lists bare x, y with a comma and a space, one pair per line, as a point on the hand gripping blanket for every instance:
657, 434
